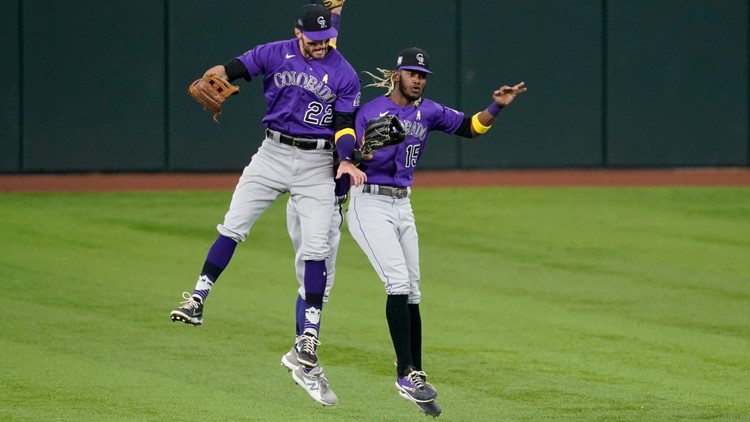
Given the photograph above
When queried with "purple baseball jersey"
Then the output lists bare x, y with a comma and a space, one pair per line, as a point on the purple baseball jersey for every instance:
395, 165
302, 94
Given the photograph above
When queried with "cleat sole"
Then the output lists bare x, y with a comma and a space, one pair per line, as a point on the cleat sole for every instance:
430, 408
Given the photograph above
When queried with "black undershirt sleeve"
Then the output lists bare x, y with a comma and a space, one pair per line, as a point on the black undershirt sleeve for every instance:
464, 130
236, 69
343, 121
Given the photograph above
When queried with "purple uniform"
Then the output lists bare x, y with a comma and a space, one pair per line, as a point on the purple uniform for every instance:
301, 95
311, 95
394, 166
379, 217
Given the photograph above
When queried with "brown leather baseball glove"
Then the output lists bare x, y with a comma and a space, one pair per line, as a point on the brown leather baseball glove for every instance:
211, 91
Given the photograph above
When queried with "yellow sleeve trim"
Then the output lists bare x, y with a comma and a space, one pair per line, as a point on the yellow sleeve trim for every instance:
478, 127
343, 132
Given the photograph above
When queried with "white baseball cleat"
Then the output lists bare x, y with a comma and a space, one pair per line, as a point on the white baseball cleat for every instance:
316, 384
289, 360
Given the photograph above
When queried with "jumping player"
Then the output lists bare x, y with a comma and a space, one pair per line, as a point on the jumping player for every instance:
312, 93
291, 359
380, 216
294, 228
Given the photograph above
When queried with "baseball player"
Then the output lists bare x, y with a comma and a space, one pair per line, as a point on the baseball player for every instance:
380, 216
312, 93
294, 227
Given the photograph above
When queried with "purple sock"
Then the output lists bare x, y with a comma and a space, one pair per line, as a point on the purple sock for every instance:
220, 254
315, 286
217, 260
299, 315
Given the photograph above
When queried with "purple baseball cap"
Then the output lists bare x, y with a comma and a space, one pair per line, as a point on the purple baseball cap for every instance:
414, 59
314, 20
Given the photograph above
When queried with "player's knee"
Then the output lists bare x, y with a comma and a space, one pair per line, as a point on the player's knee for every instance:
313, 257
237, 237
397, 289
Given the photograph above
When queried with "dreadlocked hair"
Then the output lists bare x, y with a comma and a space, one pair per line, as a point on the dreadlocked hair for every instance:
387, 81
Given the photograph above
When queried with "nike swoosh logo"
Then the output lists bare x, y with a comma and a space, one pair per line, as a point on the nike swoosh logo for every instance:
289, 56
383, 114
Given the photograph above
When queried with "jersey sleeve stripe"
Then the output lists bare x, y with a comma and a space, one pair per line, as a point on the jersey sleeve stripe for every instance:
343, 132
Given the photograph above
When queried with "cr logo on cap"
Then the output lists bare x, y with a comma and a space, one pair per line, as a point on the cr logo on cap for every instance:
420, 58
322, 21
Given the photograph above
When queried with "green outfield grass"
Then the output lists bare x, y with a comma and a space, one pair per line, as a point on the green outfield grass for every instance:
607, 304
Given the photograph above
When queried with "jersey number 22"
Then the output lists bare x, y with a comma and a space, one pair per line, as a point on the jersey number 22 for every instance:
318, 114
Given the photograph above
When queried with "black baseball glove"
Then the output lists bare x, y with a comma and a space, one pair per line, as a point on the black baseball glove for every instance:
380, 133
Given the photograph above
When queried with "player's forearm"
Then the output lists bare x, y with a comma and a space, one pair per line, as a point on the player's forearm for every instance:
345, 144
335, 22
235, 69
482, 121
343, 125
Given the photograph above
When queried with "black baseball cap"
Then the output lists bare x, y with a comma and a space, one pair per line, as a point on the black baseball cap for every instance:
314, 20
414, 59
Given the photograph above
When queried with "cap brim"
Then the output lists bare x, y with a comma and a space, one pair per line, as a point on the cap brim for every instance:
417, 68
321, 35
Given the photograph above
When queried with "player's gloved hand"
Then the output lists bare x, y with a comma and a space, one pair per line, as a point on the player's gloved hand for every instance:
380, 133
332, 4
211, 91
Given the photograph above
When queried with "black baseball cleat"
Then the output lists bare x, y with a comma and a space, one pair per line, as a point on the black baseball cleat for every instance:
430, 408
190, 311
415, 387
307, 350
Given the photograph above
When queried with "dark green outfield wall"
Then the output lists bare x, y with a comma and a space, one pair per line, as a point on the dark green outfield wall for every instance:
101, 86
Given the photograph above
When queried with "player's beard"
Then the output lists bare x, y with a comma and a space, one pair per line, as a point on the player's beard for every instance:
316, 52
408, 93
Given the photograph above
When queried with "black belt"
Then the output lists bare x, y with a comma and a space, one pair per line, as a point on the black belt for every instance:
397, 193
301, 143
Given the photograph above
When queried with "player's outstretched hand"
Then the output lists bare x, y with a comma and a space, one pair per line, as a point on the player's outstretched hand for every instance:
506, 94
357, 175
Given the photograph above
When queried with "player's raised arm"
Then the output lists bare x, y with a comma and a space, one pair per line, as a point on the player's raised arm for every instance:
343, 122
335, 6
503, 96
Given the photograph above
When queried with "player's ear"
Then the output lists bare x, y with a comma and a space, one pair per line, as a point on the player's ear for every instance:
297, 33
